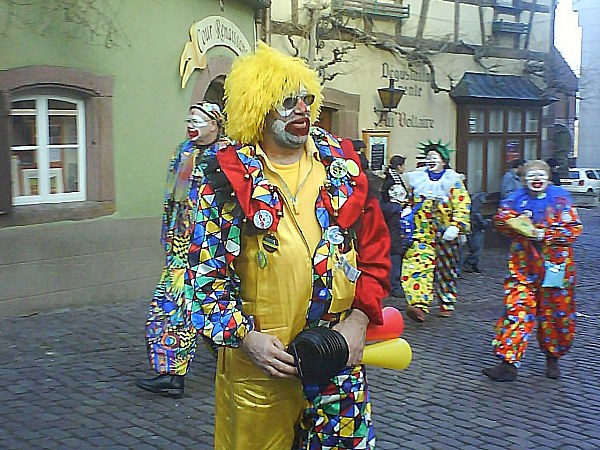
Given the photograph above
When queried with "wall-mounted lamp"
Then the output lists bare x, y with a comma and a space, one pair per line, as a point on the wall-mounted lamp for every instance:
390, 97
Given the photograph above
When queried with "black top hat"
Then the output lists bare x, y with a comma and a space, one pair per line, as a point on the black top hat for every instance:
320, 354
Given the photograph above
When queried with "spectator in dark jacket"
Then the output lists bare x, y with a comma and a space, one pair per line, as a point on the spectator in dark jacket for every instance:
554, 175
477, 234
512, 178
394, 196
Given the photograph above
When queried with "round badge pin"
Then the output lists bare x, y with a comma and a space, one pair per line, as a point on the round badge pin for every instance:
338, 168
262, 219
334, 235
352, 167
270, 242
261, 259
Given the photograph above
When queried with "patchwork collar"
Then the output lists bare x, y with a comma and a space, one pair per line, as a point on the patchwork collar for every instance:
343, 193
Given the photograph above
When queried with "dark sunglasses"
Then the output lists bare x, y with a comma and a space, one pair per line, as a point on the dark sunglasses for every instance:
290, 102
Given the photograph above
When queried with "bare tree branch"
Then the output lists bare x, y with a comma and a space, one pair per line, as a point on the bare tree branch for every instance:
96, 21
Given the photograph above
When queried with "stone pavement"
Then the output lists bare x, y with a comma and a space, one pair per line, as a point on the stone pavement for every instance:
66, 379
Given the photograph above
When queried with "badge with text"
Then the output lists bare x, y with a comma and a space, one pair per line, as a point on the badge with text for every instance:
352, 273
270, 242
338, 168
262, 219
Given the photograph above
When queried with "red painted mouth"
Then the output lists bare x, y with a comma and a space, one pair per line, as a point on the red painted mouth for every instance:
193, 133
537, 185
298, 127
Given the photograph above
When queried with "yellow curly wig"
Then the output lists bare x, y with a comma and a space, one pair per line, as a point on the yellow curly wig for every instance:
259, 82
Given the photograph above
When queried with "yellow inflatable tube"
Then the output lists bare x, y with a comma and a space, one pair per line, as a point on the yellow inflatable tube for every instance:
391, 354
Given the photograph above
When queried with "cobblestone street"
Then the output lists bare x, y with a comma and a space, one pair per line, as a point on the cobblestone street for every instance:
66, 379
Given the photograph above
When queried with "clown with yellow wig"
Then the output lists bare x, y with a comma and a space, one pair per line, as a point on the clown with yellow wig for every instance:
440, 213
286, 239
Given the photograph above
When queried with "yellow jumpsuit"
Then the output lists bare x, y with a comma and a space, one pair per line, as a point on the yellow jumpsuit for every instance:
238, 282
277, 296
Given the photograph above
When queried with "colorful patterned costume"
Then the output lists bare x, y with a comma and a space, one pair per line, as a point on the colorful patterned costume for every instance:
526, 300
170, 336
246, 274
430, 262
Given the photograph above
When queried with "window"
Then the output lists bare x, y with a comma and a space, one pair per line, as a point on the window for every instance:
48, 152
56, 145
493, 136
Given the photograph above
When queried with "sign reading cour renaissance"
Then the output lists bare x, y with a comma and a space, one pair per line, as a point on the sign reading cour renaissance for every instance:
210, 32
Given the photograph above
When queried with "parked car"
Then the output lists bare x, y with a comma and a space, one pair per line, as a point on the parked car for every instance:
582, 179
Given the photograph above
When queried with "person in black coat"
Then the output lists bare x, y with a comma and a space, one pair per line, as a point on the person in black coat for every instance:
394, 197
554, 166
476, 236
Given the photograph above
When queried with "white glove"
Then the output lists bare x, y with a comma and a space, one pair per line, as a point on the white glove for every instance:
451, 233
462, 239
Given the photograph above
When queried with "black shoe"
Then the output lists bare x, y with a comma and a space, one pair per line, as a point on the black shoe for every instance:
552, 369
502, 372
169, 385
469, 268
416, 314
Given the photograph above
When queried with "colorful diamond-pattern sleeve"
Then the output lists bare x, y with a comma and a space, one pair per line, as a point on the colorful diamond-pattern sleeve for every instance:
213, 286
461, 207
566, 227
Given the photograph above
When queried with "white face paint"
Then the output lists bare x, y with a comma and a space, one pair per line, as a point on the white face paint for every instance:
286, 108
195, 123
536, 180
289, 123
434, 162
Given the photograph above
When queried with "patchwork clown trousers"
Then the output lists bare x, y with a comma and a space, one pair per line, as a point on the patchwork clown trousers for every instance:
429, 272
170, 336
256, 412
526, 303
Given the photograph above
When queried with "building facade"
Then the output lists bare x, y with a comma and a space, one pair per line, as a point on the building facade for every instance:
474, 74
93, 99
588, 151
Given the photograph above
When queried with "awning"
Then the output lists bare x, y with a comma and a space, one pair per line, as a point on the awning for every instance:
499, 89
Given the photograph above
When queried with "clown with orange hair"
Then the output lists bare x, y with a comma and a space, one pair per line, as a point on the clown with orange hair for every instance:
286, 238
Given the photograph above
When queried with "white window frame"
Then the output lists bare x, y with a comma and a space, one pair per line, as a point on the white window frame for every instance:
43, 148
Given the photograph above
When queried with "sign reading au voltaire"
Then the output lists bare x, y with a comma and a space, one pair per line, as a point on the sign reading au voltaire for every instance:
210, 32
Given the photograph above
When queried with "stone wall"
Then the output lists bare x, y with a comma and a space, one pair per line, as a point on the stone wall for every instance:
60, 265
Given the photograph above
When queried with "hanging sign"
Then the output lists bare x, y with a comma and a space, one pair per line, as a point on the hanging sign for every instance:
210, 32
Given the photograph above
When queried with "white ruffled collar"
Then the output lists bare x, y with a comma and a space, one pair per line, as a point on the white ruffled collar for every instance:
423, 186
